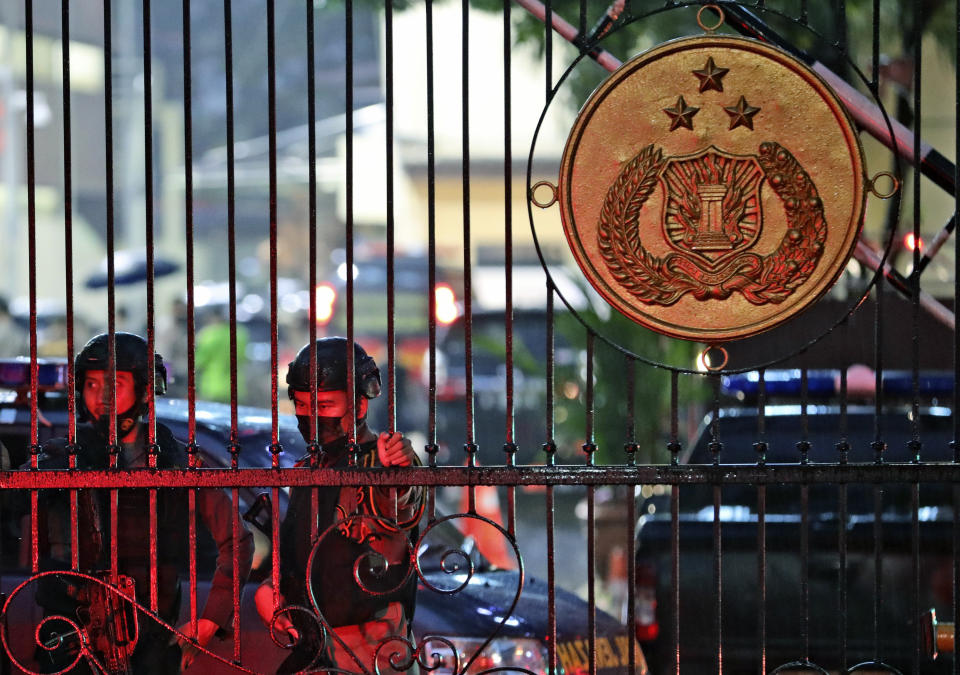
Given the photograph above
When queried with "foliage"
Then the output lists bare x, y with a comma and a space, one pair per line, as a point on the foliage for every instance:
618, 418
821, 29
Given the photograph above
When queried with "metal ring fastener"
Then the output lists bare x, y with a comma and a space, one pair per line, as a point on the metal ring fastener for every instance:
706, 361
894, 185
720, 19
553, 194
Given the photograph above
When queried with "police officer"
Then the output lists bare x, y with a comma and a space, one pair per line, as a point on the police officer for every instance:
369, 530
155, 652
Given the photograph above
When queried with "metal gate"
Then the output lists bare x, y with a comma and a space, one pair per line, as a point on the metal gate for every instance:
258, 175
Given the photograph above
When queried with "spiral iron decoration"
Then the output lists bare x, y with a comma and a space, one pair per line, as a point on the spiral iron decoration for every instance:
77, 628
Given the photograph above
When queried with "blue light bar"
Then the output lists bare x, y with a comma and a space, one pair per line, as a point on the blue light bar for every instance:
51, 374
826, 383
900, 383
820, 383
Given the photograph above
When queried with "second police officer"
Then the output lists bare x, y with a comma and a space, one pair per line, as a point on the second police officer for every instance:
370, 529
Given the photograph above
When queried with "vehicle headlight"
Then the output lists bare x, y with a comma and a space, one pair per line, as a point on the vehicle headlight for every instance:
519, 653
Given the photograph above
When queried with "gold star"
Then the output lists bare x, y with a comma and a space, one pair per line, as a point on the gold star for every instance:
710, 76
681, 114
741, 114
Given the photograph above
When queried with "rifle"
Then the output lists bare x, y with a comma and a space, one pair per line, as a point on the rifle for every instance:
111, 622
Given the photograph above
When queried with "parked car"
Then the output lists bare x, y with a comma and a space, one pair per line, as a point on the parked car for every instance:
466, 618
885, 626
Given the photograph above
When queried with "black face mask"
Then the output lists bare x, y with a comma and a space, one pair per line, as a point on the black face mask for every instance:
328, 428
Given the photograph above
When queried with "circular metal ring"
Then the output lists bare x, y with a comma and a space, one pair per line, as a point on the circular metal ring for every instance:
703, 26
706, 362
894, 188
553, 192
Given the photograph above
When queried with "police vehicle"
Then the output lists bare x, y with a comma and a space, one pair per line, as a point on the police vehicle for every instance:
871, 613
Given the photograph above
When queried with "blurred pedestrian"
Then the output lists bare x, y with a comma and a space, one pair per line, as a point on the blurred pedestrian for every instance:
212, 359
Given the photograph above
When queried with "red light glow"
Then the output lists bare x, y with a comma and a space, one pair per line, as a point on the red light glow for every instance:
447, 310
326, 296
910, 242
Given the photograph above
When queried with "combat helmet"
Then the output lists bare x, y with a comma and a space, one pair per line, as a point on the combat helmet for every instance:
332, 369
131, 356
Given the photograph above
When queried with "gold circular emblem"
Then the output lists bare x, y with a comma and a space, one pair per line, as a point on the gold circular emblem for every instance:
712, 188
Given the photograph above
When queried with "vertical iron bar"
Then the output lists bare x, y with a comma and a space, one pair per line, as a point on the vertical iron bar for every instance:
674, 448
510, 446
877, 446
843, 447
149, 227
716, 447
631, 448
551, 585
914, 443
631, 574
234, 377
675, 574
956, 568
878, 569
550, 445
915, 566
231, 213
391, 235
191, 327
391, 222
805, 569
68, 274
432, 446
151, 345
470, 445
236, 530
548, 49
232, 309
875, 52
590, 449
550, 448
674, 443
804, 447
312, 445
32, 264
232, 297
272, 168
348, 225
761, 448
111, 296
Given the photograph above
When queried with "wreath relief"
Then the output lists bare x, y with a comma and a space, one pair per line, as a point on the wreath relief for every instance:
711, 219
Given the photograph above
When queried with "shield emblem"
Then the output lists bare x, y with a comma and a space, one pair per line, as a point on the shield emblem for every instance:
704, 211
712, 206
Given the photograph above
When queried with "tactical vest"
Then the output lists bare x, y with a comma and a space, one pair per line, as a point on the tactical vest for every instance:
341, 599
133, 531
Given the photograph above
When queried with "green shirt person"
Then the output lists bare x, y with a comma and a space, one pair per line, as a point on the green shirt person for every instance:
213, 362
